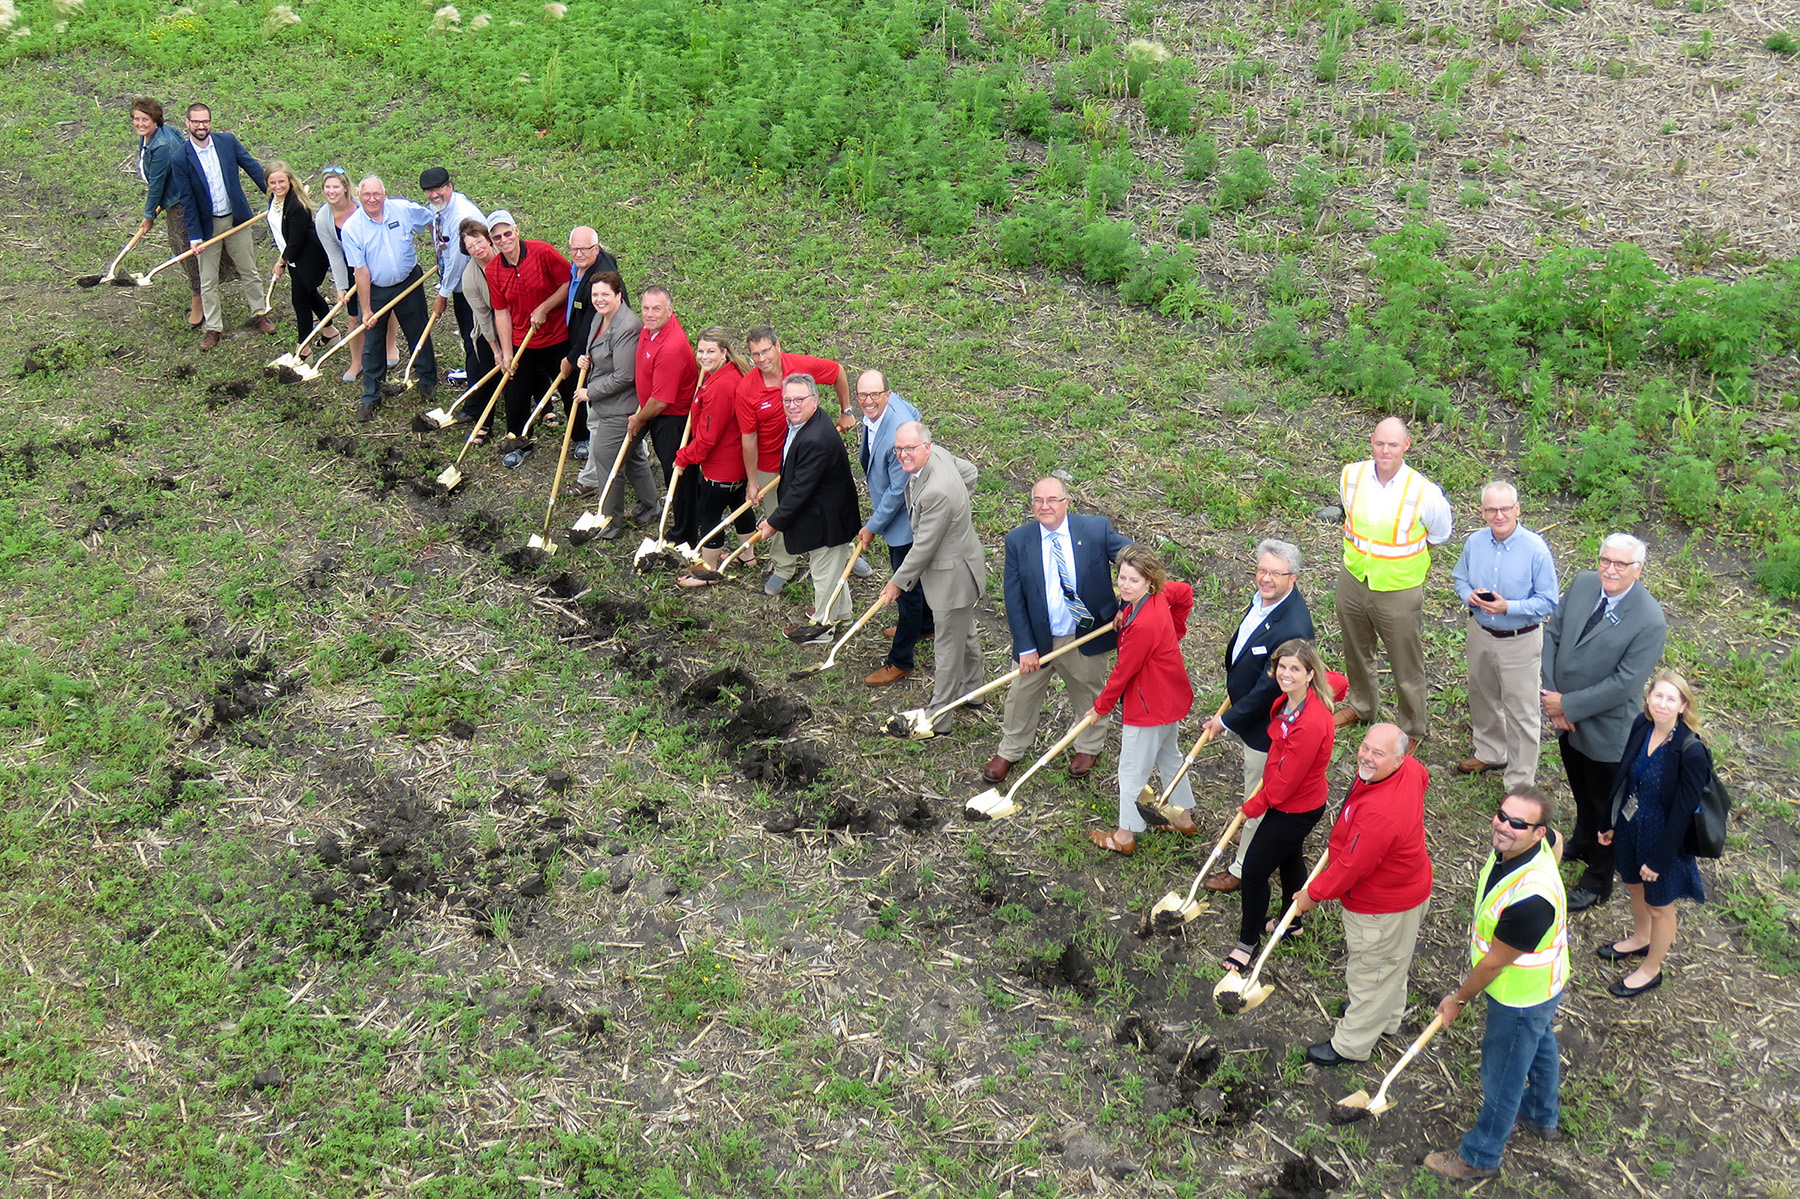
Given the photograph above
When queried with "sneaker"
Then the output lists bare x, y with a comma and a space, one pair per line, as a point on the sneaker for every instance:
456, 376
579, 452
862, 569
513, 459
773, 585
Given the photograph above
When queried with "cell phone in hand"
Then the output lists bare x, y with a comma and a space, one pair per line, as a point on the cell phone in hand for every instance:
1486, 596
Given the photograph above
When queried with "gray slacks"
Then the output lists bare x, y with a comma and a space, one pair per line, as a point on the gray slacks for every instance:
605, 435
955, 660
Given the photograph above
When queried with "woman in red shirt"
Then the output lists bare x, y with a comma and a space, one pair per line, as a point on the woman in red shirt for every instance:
714, 447
1293, 792
1150, 687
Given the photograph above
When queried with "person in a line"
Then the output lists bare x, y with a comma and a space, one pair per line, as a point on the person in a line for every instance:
159, 145
715, 452
819, 511
1519, 957
1655, 795
449, 209
1277, 613
1506, 579
667, 376
478, 250
587, 259
1379, 869
212, 201
1150, 687
328, 223
302, 258
1058, 586
611, 364
379, 250
527, 284
883, 412
1600, 646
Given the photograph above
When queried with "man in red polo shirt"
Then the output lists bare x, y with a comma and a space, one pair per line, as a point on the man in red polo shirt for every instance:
764, 427
1379, 868
667, 376
528, 282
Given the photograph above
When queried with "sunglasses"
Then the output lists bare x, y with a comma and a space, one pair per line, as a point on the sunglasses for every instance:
333, 170
1514, 823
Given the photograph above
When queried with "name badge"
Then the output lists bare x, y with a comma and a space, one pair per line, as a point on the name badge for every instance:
393, 224
1259, 650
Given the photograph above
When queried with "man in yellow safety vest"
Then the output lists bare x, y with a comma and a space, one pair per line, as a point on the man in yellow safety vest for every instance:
1519, 950
1392, 513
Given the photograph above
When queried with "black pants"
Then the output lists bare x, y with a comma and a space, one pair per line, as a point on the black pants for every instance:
467, 330
1591, 783
665, 443
478, 367
1280, 842
309, 306
411, 314
538, 367
912, 615
711, 502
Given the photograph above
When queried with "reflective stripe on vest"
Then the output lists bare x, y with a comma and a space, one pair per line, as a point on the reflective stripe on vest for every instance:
1384, 537
1534, 977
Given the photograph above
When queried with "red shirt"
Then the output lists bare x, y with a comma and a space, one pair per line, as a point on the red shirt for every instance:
714, 443
667, 371
759, 405
517, 290
1150, 677
1378, 863
1299, 751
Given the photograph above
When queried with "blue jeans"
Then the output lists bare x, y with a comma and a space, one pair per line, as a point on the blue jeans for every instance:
1519, 1078
912, 615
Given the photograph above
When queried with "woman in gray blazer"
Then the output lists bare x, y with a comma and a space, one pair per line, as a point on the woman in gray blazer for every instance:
611, 364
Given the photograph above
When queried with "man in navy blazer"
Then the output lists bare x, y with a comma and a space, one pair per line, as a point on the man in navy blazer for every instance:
883, 412
1277, 613
1051, 601
213, 200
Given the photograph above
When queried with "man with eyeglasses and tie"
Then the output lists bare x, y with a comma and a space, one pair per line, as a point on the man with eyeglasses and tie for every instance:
1058, 586
588, 260
449, 209
1599, 650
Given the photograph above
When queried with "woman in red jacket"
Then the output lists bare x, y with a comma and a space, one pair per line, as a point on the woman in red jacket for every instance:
715, 447
1149, 685
1293, 792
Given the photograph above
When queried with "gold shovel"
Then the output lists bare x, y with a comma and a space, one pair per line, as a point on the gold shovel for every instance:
699, 570
268, 304
1354, 1107
541, 541
915, 724
452, 476
293, 356
590, 524
991, 805
407, 382
657, 544
1236, 993
302, 371
1156, 807
1172, 910
112, 272
443, 418
831, 658
145, 280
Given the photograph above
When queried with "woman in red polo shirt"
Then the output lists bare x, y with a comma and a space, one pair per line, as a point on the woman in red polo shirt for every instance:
1150, 687
714, 447
528, 282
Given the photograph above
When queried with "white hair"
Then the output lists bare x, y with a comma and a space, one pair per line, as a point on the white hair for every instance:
1625, 541
1287, 551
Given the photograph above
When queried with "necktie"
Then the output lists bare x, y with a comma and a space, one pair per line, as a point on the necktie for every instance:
1593, 619
1065, 575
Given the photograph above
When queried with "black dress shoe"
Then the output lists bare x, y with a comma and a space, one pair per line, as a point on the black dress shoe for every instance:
1612, 953
1536, 1130
1581, 899
1620, 991
1323, 1054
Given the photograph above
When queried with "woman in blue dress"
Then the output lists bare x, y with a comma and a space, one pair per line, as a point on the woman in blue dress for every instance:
1661, 777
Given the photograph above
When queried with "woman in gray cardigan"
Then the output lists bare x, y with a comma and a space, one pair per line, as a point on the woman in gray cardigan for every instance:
611, 363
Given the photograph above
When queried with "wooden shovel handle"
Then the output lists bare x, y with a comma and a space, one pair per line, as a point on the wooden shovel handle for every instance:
494, 399
1287, 918
561, 461
1412, 1051
423, 338
318, 328
113, 270
687, 426
383, 311
1187, 763
1066, 740
214, 240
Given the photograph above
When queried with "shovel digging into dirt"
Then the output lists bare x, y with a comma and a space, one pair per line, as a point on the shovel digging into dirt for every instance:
914, 724
1156, 808
1236, 993
653, 552
407, 382
452, 475
541, 541
112, 272
831, 658
297, 372
590, 525
1172, 911
991, 805
298, 353
1354, 1107
699, 570
146, 280
443, 418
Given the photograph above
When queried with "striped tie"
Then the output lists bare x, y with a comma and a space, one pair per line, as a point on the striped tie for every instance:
1066, 576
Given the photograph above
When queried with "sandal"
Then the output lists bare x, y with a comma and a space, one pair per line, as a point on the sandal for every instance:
479, 436
550, 420
1114, 841
1238, 960
688, 580
1294, 929
329, 333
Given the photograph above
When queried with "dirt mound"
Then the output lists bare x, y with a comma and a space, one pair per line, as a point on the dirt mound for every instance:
479, 530
249, 689
761, 719
525, 560
1301, 1178
706, 691
1072, 968
110, 518
790, 765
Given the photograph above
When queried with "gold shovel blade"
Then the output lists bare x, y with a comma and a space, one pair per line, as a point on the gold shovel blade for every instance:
1255, 998
589, 520
539, 542
286, 359
645, 548
1231, 984
1173, 909
305, 371
440, 418
450, 476
1379, 1106
918, 722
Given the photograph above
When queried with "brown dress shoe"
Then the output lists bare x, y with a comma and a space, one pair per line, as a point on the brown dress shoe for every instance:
894, 628
1346, 716
995, 770
210, 341
1449, 1164
265, 325
1081, 765
887, 674
1224, 880
1477, 766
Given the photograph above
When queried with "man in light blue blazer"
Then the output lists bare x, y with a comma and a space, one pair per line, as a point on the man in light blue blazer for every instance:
883, 411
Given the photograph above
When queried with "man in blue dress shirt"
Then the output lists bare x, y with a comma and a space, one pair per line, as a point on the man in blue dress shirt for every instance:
1507, 580
378, 247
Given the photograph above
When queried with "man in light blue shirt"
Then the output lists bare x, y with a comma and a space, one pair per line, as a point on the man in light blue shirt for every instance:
378, 247
449, 209
1507, 580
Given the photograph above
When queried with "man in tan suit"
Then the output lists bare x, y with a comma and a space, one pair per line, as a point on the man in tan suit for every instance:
945, 560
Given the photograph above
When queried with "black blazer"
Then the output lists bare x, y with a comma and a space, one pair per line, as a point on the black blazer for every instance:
819, 503
1096, 545
581, 315
1681, 788
1248, 682
305, 256
196, 197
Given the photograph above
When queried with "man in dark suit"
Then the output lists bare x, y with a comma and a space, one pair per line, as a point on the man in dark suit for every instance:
1600, 648
1058, 584
884, 411
819, 513
1277, 613
213, 200
588, 260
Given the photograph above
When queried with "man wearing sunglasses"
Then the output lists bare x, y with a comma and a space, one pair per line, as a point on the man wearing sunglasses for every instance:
1600, 648
1519, 956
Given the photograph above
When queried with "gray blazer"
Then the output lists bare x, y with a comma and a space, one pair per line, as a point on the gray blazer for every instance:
946, 558
326, 227
1602, 676
612, 376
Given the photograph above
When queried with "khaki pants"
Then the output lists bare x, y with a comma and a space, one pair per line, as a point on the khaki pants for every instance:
1392, 620
784, 563
826, 564
955, 660
1143, 750
1504, 677
1378, 954
1083, 676
1254, 761
238, 245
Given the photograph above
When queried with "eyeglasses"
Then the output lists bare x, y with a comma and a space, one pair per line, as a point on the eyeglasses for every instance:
333, 170
1499, 511
1616, 566
505, 234
1038, 501
1514, 823
795, 401
582, 249
870, 395
908, 449
1274, 574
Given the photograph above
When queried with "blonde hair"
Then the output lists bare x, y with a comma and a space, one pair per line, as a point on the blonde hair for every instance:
295, 186
1690, 711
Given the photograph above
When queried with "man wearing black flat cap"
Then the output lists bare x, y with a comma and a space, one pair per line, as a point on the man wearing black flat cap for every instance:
449, 208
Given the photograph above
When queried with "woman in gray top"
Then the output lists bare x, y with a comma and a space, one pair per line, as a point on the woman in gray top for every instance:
480, 249
611, 363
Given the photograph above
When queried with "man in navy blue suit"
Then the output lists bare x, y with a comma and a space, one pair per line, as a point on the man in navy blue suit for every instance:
1058, 585
213, 200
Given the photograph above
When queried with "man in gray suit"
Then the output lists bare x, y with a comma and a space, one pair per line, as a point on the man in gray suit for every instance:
1599, 650
945, 561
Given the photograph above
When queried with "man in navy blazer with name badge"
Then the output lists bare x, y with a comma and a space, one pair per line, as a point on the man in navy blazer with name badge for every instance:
1051, 601
212, 201
884, 411
1277, 613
